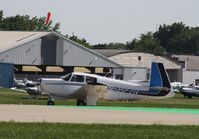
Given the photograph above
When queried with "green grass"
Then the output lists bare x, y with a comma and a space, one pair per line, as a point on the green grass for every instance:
12, 130
8, 96
177, 101
95, 131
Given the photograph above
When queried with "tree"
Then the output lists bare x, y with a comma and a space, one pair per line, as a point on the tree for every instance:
146, 43
80, 41
116, 46
110, 46
100, 46
193, 41
178, 38
25, 23
133, 45
1, 16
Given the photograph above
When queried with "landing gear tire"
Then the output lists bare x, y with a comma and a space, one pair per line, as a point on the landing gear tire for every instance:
81, 103
190, 97
50, 103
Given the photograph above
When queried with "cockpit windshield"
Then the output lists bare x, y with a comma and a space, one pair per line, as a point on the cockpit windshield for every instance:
67, 77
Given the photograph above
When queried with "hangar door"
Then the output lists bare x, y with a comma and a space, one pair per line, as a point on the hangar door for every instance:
6, 75
49, 50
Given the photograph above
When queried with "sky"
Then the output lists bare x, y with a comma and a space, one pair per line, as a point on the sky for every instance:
105, 21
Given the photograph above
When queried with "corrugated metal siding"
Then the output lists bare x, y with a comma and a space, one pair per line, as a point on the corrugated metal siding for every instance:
6, 75
67, 53
77, 56
27, 54
59, 52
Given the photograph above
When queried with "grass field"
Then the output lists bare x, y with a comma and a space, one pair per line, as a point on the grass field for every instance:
95, 131
10, 130
8, 96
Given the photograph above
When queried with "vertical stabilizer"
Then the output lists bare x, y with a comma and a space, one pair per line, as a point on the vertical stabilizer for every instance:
158, 76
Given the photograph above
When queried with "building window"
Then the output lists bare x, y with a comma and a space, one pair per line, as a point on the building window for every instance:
147, 76
196, 82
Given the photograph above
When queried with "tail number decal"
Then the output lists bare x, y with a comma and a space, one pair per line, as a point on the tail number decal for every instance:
123, 90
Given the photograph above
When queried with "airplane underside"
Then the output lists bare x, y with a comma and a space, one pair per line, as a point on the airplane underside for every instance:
88, 95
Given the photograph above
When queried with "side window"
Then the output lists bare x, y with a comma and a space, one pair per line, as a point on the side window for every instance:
90, 80
77, 78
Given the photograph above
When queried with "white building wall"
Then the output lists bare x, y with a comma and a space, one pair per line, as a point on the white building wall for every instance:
135, 73
189, 76
117, 71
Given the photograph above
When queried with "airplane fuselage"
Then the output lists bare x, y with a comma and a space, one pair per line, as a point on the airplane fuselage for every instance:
116, 89
79, 86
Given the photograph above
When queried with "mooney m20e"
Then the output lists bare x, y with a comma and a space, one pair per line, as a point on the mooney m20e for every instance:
75, 86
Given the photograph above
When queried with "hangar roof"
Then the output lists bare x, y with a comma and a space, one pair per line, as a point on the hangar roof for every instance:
10, 39
192, 62
131, 60
111, 52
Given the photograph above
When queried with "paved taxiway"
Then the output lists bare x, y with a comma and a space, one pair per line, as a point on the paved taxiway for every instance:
110, 115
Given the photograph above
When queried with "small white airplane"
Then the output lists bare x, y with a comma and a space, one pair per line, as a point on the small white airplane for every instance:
75, 85
176, 86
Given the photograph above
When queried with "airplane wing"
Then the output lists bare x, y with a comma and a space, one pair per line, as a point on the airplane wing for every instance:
19, 90
32, 91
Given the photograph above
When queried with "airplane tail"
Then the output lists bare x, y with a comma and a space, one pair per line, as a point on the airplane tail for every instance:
158, 76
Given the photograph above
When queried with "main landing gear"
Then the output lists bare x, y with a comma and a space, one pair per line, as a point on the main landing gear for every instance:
50, 101
78, 103
81, 103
